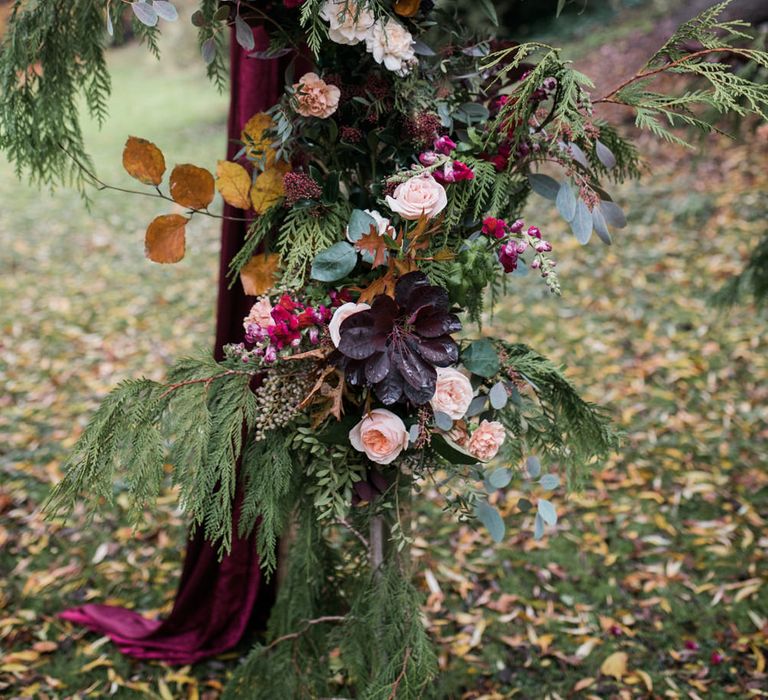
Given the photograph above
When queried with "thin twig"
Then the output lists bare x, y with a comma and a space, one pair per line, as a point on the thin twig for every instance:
353, 530
399, 679
674, 64
203, 380
307, 625
100, 185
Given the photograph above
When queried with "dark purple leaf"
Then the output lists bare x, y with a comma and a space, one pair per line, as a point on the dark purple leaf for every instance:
360, 337
377, 367
384, 307
418, 397
390, 389
431, 324
441, 352
407, 284
354, 371
416, 372
431, 296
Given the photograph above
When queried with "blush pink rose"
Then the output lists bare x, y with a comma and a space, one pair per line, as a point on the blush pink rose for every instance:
453, 393
342, 314
421, 195
486, 440
260, 314
315, 98
381, 435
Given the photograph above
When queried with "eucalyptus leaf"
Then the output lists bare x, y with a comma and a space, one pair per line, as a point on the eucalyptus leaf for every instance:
601, 228
613, 214
498, 395
481, 358
451, 452
360, 223
538, 527
421, 49
566, 201
334, 263
491, 518
165, 10
582, 223
208, 49
443, 421
605, 155
477, 406
547, 511
550, 482
146, 14
413, 433
533, 467
544, 185
524, 505
499, 478
244, 34
490, 11
578, 154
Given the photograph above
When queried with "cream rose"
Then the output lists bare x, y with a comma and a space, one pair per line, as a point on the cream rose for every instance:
486, 440
453, 393
421, 195
260, 314
391, 44
315, 98
349, 21
342, 314
381, 435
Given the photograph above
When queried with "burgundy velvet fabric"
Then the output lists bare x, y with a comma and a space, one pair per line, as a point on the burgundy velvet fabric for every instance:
216, 601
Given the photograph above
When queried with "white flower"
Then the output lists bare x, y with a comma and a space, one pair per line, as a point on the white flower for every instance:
391, 44
422, 195
453, 393
349, 22
342, 314
382, 224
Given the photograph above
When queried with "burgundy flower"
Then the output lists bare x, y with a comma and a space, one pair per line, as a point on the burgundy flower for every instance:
396, 344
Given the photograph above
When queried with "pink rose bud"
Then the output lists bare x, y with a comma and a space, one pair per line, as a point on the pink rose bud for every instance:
521, 247
428, 158
517, 226
543, 247
444, 145
534, 231
270, 354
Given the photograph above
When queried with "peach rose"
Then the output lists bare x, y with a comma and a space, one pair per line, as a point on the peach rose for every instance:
260, 314
391, 43
342, 314
453, 393
314, 97
486, 440
421, 195
349, 22
381, 435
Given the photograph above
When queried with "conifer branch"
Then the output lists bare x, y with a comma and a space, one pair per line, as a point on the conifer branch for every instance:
307, 625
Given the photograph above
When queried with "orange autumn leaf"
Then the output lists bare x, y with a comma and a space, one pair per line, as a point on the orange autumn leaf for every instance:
165, 238
374, 244
257, 142
143, 161
191, 186
259, 274
407, 8
268, 187
234, 184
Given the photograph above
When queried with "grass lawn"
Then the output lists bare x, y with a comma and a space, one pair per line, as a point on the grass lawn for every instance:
661, 557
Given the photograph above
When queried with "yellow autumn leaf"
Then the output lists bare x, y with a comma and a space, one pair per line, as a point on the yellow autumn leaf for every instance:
143, 161
191, 186
615, 665
268, 187
258, 145
165, 239
234, 184
259, 274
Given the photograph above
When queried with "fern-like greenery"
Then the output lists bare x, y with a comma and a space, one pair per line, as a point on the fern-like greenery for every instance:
750, 282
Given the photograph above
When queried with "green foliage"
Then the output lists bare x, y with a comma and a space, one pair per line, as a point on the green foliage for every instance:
258, 230
269, 491
304, 234
559, 424
724, 90
204, 410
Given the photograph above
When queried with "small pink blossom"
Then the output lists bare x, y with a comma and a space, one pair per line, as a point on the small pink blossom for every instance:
486, 440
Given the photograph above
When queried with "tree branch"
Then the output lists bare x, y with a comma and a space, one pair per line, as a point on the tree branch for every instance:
307, 625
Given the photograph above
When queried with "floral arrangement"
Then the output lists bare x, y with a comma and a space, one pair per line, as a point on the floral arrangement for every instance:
385, 191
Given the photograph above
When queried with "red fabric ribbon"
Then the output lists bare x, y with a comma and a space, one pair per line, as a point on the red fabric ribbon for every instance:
216, 601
